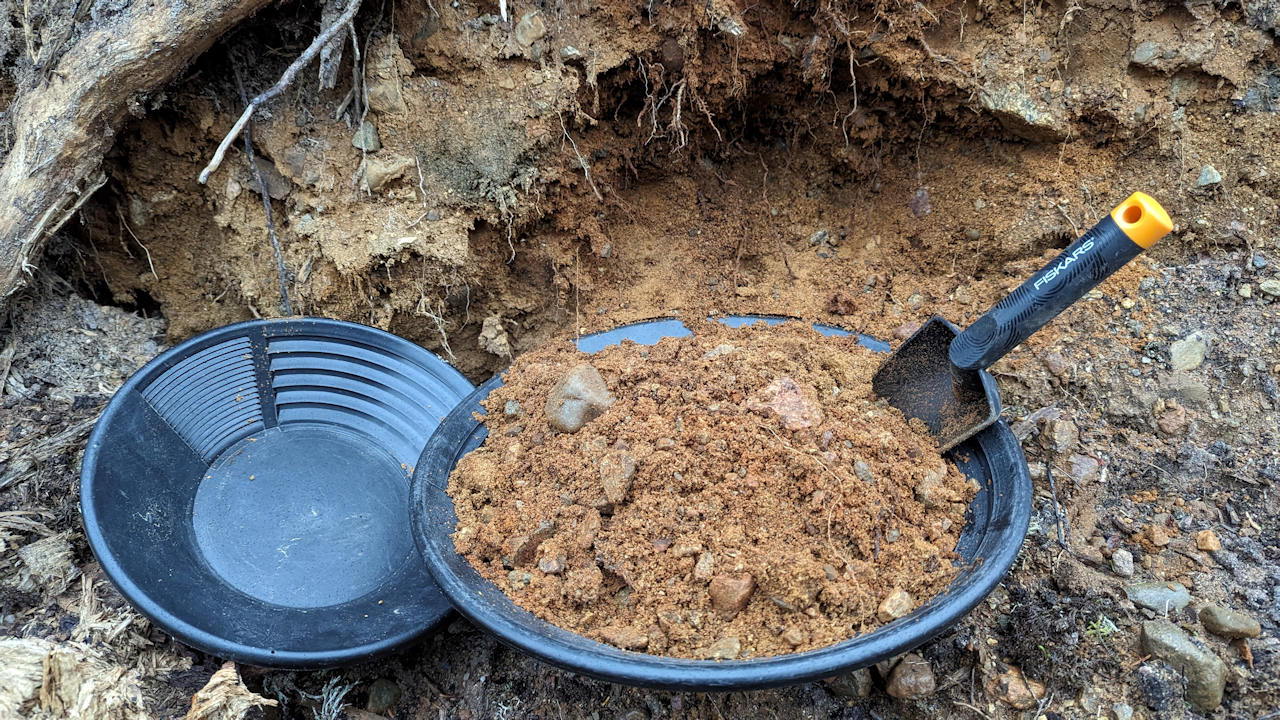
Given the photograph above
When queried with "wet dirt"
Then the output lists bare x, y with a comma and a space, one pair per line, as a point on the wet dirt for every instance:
866, 165
744, 494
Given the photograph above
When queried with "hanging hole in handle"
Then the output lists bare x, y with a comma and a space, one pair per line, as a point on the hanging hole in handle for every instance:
1132, 214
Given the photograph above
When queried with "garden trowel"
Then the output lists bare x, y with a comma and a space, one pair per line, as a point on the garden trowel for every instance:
939, 374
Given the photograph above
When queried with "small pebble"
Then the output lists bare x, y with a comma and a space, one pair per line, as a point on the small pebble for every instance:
1208, 541
895, 605
578, 398
1122, 562
857, 684
627, 638
724, 649
905, 330
731, 593
863, 471
1188, 353
384, 694
530, 29
366, 138
1209, 176
617, 469
1015, 690
794, 636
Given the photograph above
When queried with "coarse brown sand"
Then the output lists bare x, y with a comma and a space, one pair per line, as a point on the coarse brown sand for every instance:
741, 493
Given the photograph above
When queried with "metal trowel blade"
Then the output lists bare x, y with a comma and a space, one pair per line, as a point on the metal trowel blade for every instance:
919, 379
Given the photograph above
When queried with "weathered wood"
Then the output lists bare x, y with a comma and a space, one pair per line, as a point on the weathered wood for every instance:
64, 126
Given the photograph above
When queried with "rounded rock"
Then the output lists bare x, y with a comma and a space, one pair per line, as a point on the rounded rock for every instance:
578, 398
911, 678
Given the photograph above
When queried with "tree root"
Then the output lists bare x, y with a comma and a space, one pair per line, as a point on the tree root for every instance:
64, 126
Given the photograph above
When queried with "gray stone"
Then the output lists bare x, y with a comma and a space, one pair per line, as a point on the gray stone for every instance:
856, 684
1162, 597
1209, 176
1229, 623
723, 649
366, 138
1083, 468
1188, 353
580, 397
863, 470
512, 409
530, 29
383, 695
1021, 113
1160, 685
1205, 673
1122, 562
1262, 14
278, 186
919, 203
1270, 287
1147, 53
1259, 262
1121, 711
1060, 435
1090, 700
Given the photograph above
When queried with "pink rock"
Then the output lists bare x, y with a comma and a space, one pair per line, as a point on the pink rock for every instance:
784, 398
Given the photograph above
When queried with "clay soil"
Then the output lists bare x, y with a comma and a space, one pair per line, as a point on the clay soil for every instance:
744, 494
575, 166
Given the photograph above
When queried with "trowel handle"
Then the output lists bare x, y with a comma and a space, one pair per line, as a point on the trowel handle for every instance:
1133, 226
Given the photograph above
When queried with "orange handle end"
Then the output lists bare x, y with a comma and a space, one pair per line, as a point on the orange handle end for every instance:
1142, 219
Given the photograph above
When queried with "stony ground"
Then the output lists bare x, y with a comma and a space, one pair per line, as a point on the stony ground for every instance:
577, 166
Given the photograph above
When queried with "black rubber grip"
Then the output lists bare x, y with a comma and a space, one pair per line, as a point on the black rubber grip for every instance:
1085, 263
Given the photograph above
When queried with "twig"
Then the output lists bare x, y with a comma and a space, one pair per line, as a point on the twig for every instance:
1074, 227
266, 203
974, 709
586, 169
1057, 510
303, 60
150, 264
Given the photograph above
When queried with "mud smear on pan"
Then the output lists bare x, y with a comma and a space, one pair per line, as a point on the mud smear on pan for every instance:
743, 494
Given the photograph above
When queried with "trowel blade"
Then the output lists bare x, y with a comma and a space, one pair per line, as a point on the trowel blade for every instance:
919, 379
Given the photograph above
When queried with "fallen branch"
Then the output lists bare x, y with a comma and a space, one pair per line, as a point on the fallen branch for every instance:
63, 127
290, 72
